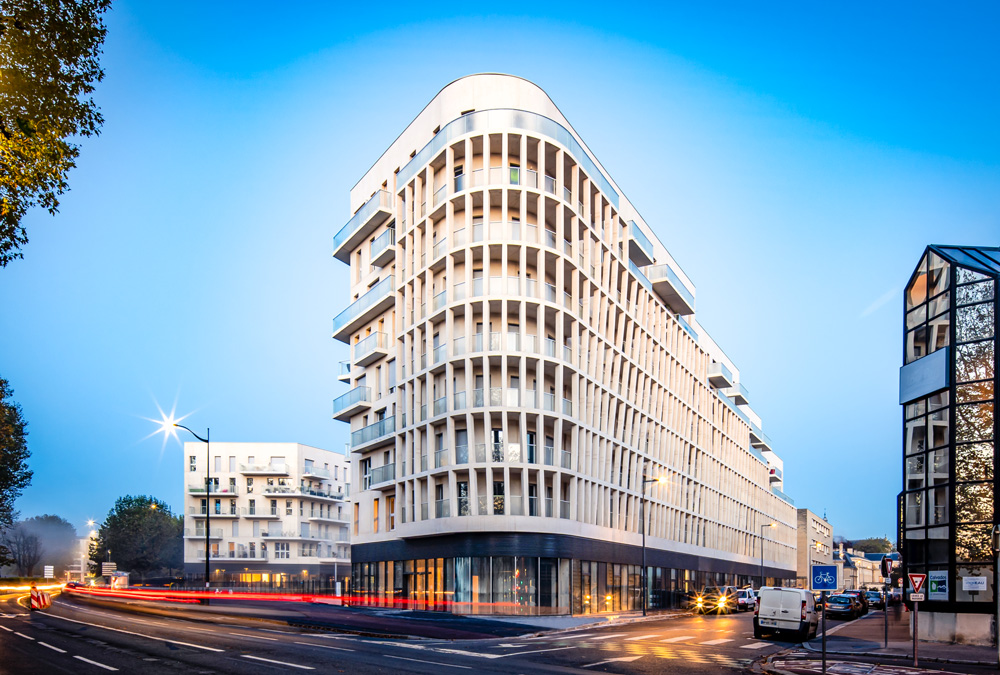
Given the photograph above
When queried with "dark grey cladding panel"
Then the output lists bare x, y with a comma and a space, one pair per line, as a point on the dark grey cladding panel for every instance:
546, 546
924, 376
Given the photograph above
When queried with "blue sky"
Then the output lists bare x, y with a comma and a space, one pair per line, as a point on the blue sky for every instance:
795, 159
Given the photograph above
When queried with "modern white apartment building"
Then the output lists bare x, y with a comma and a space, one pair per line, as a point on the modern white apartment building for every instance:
278, 513
523, 352
814, 544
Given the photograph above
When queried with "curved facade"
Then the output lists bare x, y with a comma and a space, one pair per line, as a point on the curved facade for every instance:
523, 353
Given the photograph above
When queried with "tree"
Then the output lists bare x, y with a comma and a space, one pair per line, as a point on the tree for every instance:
142, 535
24, 549
49, 62
873, 545
14, 473
57, 538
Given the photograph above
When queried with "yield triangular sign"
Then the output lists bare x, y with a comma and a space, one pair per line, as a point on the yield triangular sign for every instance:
917, 581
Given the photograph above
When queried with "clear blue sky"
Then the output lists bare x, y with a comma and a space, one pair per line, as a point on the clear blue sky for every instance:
806, 152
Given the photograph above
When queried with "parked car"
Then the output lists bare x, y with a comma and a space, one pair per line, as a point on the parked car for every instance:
843, 605
860, 595
785, 610
745, 599
875, 599
720, 599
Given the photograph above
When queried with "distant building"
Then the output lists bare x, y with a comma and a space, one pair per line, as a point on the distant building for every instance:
278, 513
947, 387
814, 544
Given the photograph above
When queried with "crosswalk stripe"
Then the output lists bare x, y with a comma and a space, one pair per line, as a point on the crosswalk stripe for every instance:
755, 645
716, 642
643, 637
679, 638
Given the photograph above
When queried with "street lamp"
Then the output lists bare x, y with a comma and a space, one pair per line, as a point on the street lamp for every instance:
762, 552
166, 426
642, 517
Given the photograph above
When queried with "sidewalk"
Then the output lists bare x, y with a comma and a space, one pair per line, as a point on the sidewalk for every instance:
863, 641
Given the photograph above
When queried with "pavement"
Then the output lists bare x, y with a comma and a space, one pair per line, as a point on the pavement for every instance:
860, 646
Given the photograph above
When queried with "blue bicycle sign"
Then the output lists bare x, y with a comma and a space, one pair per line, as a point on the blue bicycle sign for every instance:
824, 577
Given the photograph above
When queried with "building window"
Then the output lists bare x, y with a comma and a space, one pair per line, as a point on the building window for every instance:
375, 516
218, 464
281, 549
288, 507
390, 507
193, 463
356, 517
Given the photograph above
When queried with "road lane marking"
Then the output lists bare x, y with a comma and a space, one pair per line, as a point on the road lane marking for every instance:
128, 632
280, 663
756, 645
532, 651
716, 642
255, 637
26, 637
55, 649
339, 649
433, 663
643, 637
623, 659
9, 630
95, 663
605, 637
679, 638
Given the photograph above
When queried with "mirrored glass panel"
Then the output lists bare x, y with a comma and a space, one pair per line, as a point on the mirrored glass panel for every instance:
937, 274
973, 293
938, 304
916, 344
916, 317
916, 408
977, 391
938, 333
915, 472
916, 435
966, 275
914, 508
974, 461
916, 292
974, 322
938, 400
937, 506
974, 422
974, 502
938, 466
972, 543
974, 361
938, 428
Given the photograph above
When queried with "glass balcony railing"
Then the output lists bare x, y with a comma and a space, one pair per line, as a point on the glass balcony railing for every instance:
439, 301
373, 431
344, 370
641, 240
442, 509
351, 398
782, 495
439, 248
374, 343
441, 405
440, 458
380, 291
670, 288
643, 279
440, 194
383, 474
367, 216
485, 120
382, 243
550, 185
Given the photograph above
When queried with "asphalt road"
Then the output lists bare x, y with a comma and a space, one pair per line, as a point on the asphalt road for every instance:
80, 638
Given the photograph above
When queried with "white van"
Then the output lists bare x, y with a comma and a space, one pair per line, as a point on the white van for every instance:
790, 610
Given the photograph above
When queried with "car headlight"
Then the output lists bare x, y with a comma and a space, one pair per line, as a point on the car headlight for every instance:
700, 601
721, 602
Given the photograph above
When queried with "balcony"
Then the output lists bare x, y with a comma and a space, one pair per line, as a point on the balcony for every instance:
775, 474
216, 490
375, 211
758, 438
283, 534
782, 495
317, 492
640, 248
199, 533
377, 300
719, 376
382, 474
344, 372
371, 349
351, 403
671, 289
263, 512
315, 472
738, 394
264, 469
220, 512
374, 435
383, 248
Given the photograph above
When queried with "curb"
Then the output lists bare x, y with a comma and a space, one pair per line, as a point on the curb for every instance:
885, 655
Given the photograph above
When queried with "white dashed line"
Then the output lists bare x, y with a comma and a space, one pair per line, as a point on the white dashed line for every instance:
9, 630
95, 663
255, 637
280, 663
55, 649
605, 637
128, 632
339, 649
756, 645
716, 642
643, 637
433, 663
26, 637
679, 638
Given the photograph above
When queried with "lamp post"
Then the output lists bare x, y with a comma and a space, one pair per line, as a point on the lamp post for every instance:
208, 492
762, 552
642, 517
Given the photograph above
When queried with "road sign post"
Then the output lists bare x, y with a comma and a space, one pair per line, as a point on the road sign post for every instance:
886, 566
916, 585
823, 578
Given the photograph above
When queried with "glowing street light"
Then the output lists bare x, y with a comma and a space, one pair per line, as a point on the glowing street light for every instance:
168, 426
642, 516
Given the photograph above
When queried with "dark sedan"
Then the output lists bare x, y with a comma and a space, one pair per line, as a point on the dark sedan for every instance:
843, 605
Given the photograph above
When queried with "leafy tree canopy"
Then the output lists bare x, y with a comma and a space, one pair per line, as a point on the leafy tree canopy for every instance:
14, 473
873, 545
57, 537
142, 535
49, 62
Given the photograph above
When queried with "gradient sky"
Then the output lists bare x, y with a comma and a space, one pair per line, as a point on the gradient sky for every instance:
795, 158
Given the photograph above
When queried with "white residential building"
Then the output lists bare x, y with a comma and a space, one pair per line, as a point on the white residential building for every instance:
278, 513
524, 351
